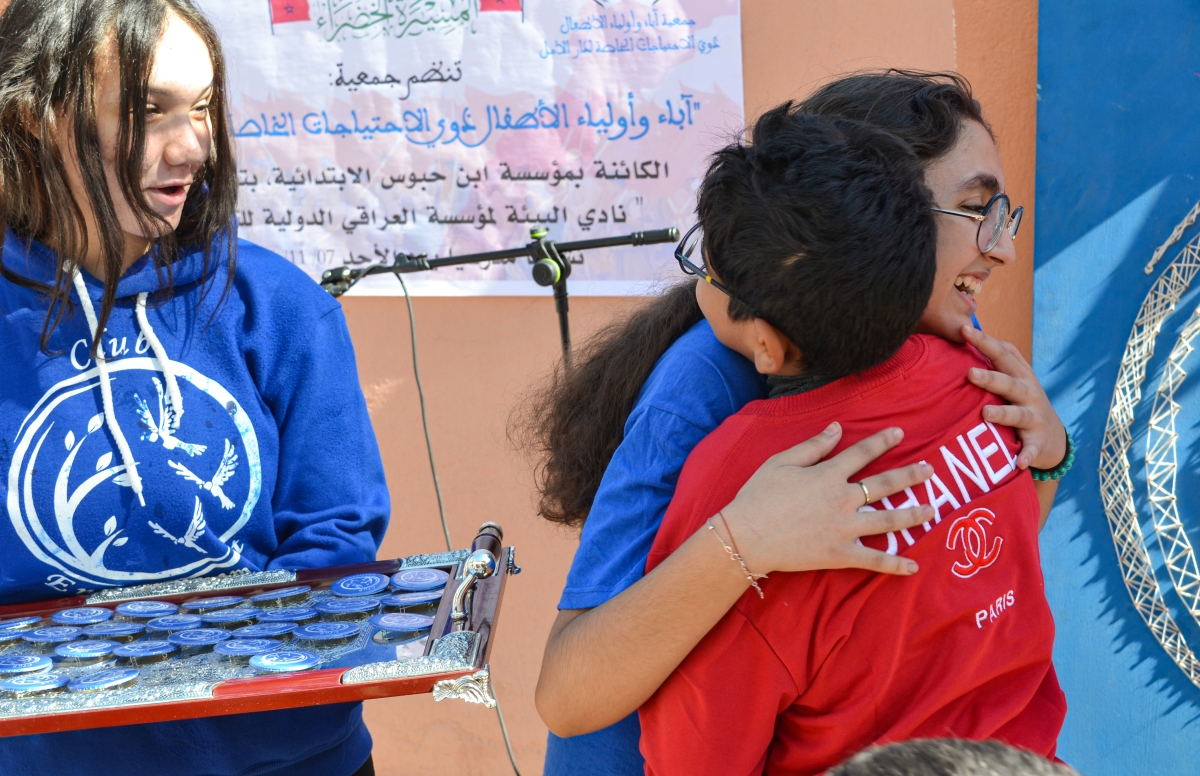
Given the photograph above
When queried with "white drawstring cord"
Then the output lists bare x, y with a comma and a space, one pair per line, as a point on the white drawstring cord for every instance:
164, 364
110, 416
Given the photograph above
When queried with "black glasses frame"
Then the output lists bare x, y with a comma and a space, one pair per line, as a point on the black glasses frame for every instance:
1010, 224
690, 268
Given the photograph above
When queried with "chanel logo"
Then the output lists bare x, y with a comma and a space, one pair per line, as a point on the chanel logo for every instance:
969, 535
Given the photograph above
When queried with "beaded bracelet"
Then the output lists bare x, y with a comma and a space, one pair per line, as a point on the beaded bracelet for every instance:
734, 554
1047, 475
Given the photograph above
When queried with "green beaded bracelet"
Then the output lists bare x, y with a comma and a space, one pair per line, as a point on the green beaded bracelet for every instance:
1047, 475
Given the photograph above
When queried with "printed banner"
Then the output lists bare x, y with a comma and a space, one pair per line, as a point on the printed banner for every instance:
371, 128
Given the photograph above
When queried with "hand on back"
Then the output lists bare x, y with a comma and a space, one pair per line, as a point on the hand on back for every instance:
1043, 436
799, 513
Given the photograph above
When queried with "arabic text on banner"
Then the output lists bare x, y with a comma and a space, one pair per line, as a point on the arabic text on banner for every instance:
445, 127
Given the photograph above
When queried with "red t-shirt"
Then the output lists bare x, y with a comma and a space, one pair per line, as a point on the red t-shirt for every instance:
831, 662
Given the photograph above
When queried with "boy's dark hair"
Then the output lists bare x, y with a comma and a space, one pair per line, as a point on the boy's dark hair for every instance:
573, 424
949, 757
823, 227
50, 53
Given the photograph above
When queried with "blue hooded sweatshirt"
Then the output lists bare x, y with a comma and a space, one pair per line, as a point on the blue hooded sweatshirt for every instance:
238, 440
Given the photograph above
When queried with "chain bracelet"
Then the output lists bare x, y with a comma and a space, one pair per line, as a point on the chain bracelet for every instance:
734, 555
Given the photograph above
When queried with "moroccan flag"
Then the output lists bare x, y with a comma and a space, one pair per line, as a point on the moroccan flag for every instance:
289, 11
499, 5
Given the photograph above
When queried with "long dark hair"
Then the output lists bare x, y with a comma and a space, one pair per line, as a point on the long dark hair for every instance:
573, 423
49, 58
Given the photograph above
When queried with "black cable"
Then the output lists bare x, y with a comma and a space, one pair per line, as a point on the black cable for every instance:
412, 329
437, 488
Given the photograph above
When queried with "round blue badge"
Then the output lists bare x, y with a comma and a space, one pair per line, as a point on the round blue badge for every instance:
93, 649
416, 580
111, 679
174, 622
87, 615
198, 637
150, 650
246, 647
208, 604
240, 615
290, 614
32, 684
20, 623
283, 595
327, 631
282, 661
265, 630
24, 664
117, 631
58, 634
402, 622
348, 606
401, 600
146, 610
359, 584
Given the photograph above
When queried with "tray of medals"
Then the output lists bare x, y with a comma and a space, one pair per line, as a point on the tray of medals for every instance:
255, 641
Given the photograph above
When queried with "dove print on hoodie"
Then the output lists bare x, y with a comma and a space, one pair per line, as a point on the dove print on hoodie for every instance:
196, 444
205, 439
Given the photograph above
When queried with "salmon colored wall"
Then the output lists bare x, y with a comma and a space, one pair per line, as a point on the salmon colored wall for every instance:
997, 51
479, 355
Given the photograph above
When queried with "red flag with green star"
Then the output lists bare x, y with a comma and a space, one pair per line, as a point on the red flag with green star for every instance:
289, 11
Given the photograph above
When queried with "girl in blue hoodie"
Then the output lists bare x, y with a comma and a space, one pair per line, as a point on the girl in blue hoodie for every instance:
174, 402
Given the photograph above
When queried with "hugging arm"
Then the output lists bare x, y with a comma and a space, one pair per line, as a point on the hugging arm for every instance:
797, 513
1042, 433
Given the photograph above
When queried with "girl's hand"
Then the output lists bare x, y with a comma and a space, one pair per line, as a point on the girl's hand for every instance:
1042, 434
799, 513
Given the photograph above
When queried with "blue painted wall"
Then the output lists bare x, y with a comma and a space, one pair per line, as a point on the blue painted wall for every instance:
1118, 163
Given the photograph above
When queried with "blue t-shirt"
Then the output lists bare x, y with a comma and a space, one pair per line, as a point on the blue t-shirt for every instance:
695, 386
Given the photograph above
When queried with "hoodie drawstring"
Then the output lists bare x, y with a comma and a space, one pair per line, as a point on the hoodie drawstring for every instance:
174, 397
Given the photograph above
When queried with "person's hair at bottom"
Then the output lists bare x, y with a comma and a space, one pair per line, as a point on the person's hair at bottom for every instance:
949, 757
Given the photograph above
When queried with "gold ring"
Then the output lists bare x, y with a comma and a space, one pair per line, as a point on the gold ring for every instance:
866, 493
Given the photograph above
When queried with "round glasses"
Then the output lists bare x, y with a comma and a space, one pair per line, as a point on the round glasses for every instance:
996, 217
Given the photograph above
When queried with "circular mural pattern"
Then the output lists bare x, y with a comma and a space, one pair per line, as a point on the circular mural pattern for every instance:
1116, 483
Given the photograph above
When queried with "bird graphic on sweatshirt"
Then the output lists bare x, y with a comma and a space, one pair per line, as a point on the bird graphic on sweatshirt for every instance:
166, 425
194, 530
225, 470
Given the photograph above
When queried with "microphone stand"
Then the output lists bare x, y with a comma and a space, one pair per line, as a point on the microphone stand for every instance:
549, 267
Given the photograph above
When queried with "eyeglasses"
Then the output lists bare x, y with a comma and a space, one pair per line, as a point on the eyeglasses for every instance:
994, 220
691, 245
